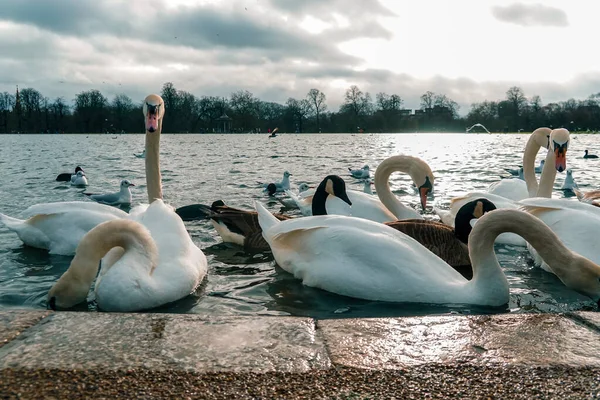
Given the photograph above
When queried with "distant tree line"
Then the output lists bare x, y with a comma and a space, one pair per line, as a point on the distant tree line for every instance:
28, 111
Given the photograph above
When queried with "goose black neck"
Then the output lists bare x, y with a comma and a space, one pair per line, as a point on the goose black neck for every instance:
318, 202
462, 225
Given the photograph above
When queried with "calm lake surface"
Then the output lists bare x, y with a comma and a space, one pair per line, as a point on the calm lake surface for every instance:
204, 168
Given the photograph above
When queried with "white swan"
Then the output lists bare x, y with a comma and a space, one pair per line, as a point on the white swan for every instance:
149, 258
123, 196
575, 223
328, 252
385, 206
59, 227
79, 179
516, 189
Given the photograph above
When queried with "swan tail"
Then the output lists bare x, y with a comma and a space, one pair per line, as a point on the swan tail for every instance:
266, 220
195, 212
10, 222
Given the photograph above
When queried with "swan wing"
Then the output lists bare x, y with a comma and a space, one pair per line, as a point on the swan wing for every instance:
557, 204
72, 206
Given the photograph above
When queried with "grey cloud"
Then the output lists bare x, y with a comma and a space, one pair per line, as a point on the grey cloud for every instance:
200, 27
531, 15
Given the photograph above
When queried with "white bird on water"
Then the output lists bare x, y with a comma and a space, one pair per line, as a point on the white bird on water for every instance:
123, 196
360, 173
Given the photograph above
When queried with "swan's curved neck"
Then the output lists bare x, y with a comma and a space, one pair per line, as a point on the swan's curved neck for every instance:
129, 235
538, 139
384, 170
153, 178
488, 278
548, 176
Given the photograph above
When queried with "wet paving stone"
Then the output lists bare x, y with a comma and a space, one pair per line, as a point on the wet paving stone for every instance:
168, 341
396, 343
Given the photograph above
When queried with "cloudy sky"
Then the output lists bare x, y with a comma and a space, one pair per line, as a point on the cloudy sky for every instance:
470, 50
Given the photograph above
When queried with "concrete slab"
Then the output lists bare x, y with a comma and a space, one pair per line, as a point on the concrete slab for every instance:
590, 318
395, 343
168, 341
13, 322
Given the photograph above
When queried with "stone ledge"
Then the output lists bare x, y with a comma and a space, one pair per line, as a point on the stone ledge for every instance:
70, 340
13, 322
523, 339
204, 344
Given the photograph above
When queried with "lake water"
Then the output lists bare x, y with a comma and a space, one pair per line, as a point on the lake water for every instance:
204, 168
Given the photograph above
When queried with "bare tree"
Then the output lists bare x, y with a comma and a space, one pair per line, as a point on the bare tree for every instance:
317, 100
427, 100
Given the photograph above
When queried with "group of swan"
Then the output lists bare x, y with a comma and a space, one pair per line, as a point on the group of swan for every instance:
146, 258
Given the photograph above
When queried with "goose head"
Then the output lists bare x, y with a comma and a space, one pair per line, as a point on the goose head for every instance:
154, 111
472, 210
559, 142
125, 184
335, 186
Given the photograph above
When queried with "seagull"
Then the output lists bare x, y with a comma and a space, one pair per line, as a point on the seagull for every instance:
123, 196
360, 173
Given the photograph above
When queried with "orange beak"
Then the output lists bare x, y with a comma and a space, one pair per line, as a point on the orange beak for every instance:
423, 193
561, 158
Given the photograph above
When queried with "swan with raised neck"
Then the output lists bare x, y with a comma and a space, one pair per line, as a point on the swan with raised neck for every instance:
419, 171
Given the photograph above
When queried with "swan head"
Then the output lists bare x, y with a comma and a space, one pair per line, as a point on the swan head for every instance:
271, 189
335, 186
303, 187
68, 291
126, 184
154, 111
559, 142
587, 280
425, 189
